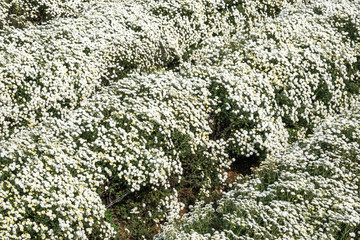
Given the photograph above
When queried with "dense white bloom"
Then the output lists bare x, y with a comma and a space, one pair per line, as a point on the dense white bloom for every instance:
145, 93
308, 191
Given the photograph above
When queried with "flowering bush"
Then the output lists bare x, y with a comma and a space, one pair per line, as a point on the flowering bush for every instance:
147, 133
311, 190
112, 115
47, 70
44, 191
132, 134
276, 80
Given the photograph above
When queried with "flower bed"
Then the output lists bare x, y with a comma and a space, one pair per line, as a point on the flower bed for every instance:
127, 112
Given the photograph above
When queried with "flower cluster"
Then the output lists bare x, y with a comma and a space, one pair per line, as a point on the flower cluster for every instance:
311, 190
171, 207
45, 193
276, 79
147, 129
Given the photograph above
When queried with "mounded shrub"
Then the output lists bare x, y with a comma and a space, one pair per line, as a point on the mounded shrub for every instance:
279, 78
47, 70
311, 190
